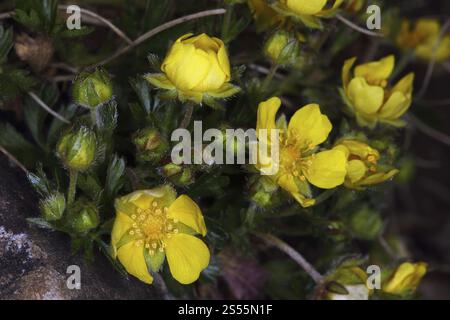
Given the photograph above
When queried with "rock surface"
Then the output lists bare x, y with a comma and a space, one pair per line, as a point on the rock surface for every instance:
34, 262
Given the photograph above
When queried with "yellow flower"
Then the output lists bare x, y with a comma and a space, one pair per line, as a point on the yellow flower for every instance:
299, 161
265, 17
195, 68
406, 278
307, 11
423, 38
362, 168
154, 224
367, 93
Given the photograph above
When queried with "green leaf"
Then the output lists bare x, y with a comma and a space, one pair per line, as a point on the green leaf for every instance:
18, 146
13, 82
106, 250
142, 89
39, 181
30, 20
114, 177
90, 186
6, 43
107, 116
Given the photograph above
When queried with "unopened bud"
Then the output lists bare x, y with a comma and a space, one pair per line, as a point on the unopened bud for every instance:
77, 149
282, 48
83, 217
52, 207
150, 145
92, 89
179, 175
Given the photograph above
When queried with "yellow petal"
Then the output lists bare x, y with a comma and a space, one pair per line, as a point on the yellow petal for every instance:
215, 76
427, 27
185, 65
405, 84
327, 169
365, 98
187, 257
376, 70
203, 42
360, 149
287, 182
306, 7
395, 106
132, 258
356, 169
267, 111
222, 57
309, 125
121, 224
143, 199
187, 211
348, 64
378, 177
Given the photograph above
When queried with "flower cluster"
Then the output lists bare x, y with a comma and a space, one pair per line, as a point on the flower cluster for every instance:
111, 177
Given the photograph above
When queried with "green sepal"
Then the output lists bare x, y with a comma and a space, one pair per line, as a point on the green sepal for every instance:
127, 238
155, 262
212, 103
159, 80
227, 90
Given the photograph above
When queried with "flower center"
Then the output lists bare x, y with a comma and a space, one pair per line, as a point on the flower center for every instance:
154, 226
291, 158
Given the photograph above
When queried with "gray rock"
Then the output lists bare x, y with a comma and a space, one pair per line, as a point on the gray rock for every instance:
34, 262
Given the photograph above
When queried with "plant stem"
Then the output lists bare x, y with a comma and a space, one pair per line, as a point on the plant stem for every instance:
73, 176
295, 255
46, 107
357, 28
187, 116
105, 21
269, 77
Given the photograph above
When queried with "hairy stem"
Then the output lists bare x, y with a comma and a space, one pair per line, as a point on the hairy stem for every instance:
73, 177
187, 116
267, 81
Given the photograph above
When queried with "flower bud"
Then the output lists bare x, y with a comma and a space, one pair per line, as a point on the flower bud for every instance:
92, 89
52, 208
177, 174
282, 48
405, 279
83, 217
150, 145
77, 149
